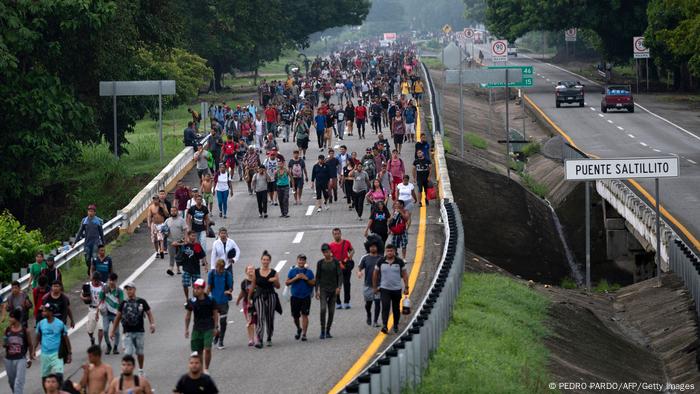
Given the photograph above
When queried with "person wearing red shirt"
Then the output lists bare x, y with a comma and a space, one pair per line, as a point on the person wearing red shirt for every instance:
343, 252
271, 119
360, 118
182, 196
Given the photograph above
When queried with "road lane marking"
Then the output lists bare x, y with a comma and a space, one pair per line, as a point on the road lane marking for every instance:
656, 150
691, 161
592, 108
279, 265
585, 103
643, 144
601, 115
669, 122
630, 135
610, 121
635, 184
298, 237
620, 128
310, 210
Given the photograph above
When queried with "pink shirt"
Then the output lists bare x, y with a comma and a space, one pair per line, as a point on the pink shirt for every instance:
395, 167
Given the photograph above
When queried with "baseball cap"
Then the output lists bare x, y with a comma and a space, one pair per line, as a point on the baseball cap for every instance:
325, 247
129, 284
199, 283
92, 206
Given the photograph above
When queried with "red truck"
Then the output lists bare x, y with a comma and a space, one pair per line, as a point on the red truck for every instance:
617, 97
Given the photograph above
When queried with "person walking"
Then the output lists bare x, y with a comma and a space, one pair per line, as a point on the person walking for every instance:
206, 321
319, 180
61, 302
226, 249
17, 343
264, 297
283, 182
50, 332
97, 375
251, 163
198, 219
360, 185
177, 228
92, 298
127, 381
329, 279
301, 135
192, 257
405, 192
366, 271
102, 264
297, 167
196, 380
247, 306
111, 297
220, 282
343, 251
17, 300
131, 313
349, 116
224, 189
301, 283
398, 225
387, 277
90, 230
360, 118
259, 185
421, 173
379, 221
35, 269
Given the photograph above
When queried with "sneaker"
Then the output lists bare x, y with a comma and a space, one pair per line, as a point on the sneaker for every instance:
347, 306
298, 335
179, 272
260, 216
220, 214
225, 216
251, 343
318, 210
170, 272
259, 345
269, 343
115, 351
328, 335
265, 216
369, 321
220, 346
384, 330
396, 328
323, 335
109, 349
162, 255
303, 338
338, 306
320, 149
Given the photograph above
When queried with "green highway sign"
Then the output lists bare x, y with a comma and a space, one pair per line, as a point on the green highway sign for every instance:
525, 81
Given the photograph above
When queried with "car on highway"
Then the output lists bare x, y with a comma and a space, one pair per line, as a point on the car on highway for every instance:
617, 97
569, 92
512, 50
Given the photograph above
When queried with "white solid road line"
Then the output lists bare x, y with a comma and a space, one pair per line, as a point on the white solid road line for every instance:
657, 150
643, 144
298, 237
630, 135
620, 128
83, 321
279, 265
310, 210
601, 115
610, 121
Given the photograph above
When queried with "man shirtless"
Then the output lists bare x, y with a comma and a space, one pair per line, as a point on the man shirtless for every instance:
157, 212
206, 188
96, 374
127, 382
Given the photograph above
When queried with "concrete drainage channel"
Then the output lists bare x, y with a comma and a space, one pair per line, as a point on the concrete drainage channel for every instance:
400, 366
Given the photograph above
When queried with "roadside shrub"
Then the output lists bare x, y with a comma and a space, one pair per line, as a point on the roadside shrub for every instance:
568, 283
476, 140
18, 246
530, 149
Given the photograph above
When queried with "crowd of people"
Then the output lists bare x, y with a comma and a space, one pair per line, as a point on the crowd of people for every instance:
333, 102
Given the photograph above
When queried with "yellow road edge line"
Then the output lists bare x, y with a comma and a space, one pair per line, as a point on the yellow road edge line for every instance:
371, 350
634, 183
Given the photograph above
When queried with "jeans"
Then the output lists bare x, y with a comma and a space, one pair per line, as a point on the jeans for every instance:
262, 201
202, 237
222, 200
377, 124
347, 275
90, 250
360, 128
341, 129
16, 374
106, 321
319, 134
358, 199
393, 298
283, 199
327, 306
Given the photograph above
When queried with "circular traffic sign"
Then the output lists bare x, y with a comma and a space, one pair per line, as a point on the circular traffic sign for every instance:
639, 45
469, 33
499, 48
571, 32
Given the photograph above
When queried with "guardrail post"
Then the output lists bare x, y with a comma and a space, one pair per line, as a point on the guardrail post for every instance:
15, 276
418, 351
364, 380
401, 347
385, 381
375, 381
395, 386
410, 361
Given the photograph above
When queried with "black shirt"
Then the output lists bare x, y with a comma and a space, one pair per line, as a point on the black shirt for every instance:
379, 219
332, 167
203, 312
198, 215
192, 254
262, 283
132, 312
422, 167
319, 174
202, 385
60, 305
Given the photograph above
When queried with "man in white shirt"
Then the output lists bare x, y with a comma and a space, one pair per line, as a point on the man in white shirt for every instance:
221, 248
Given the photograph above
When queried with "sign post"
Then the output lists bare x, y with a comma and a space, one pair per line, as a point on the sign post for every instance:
623, 168
138, 88
469, 35
452, 58
640, 51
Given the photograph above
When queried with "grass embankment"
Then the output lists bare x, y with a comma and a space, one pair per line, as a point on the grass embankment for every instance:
494, 343
433, 63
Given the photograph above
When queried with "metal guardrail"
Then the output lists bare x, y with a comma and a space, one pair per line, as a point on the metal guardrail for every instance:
686, 264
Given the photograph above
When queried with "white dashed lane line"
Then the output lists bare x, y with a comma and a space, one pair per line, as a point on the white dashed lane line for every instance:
310, 210
643, 144
691, 161
592, 108
610, 121
656, 150
298, 237
601, 115
630, 135
620, 128
279, 265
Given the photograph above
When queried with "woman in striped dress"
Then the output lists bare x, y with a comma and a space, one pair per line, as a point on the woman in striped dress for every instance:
265, 299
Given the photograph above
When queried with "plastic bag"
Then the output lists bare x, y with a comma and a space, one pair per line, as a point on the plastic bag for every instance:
287, 293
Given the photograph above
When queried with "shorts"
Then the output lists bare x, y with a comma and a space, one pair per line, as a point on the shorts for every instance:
50, 363
398, 139
321, 190
418, 96
201, 339
271, 187
298, 183
369, 294
328, 133
133, 343
411, 128
208, 198
400, 240
300, 306
303, 143
156, 234
188, 278
94, 320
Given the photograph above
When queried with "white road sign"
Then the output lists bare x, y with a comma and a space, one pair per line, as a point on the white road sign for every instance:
499, 51
592, 169
468, 33
638, 49
137, 88
570, 34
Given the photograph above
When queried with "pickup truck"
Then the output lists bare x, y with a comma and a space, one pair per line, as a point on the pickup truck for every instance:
569, 92
512, 50
617, 97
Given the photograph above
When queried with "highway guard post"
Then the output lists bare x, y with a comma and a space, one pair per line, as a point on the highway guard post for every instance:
623, 168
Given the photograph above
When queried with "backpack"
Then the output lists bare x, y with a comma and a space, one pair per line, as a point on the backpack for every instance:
369, 166
397, 225
296, 170
132, 313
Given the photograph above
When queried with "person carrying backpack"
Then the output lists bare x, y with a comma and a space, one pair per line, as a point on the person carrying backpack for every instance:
398, 226
297, 167
220, 281
130, 313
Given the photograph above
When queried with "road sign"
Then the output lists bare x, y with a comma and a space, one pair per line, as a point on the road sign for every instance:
639, 50
570, 34
451, 56
447, 29
136, 88
499, 51
390, 37
484, 76
524, 72
468, 33
625, 168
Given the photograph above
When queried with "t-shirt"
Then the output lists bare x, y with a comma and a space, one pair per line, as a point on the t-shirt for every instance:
340, 249
203, 384
332, 167
405, 191
95, 293
18, 302
203, 312
182, 195
220, 282
367, 263
422, 167
60, 304
423, 146
360, 182
296, 168
15, 343
132, 312
51, 334
203, 160
390, 275
361, 112
380, 219
35, 271
177, 227
320, 122
409, 114
198, 214
192, 254
112, 298
103, 267
300, 288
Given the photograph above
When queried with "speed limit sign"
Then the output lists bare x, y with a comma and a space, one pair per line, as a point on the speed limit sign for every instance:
499, 51
468, 33
570, 34
639, 50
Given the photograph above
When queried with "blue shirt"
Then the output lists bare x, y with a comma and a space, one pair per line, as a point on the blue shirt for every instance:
220, 283
103, 267
300, 288
51, 334
320, 123
409, 115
